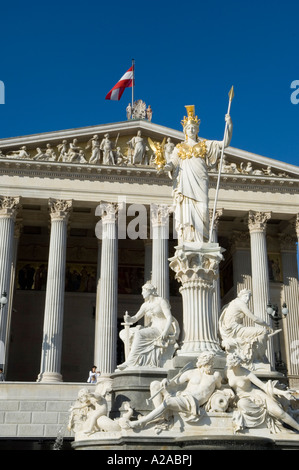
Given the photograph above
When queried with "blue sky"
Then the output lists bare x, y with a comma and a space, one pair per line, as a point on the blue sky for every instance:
60, 59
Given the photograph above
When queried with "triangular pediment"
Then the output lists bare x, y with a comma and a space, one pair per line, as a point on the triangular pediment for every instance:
47, 147
120, 135
241, 162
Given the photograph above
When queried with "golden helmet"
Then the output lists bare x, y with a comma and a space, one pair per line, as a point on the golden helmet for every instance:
190, 118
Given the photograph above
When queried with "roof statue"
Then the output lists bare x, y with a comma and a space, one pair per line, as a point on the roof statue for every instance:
139, 111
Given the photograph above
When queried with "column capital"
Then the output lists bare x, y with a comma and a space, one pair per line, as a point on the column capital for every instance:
9, 206
257, 221
160, 214
109, 211
59, 208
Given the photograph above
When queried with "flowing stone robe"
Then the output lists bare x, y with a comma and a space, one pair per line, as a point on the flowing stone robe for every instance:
249, 341
191, 186
147, 346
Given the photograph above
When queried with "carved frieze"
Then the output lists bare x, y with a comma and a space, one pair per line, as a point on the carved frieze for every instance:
119, 151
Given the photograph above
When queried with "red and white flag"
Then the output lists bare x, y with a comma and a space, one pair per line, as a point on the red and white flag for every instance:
126, 81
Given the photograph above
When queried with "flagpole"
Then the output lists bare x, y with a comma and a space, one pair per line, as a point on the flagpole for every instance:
133, 82
230, 95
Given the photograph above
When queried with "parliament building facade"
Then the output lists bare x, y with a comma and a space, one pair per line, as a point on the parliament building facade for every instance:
59, 191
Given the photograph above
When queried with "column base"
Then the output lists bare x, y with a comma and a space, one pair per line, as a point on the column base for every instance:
193, 349
49, 377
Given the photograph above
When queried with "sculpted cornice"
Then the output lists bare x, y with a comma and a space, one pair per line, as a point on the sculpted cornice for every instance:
256, 183
139, 175
52, 170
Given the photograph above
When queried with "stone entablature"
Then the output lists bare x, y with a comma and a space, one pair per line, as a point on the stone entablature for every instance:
87, 171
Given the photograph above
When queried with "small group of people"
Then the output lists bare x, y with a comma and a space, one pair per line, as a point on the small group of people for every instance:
93, 375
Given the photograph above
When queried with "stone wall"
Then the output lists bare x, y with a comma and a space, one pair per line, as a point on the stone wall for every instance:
36, 410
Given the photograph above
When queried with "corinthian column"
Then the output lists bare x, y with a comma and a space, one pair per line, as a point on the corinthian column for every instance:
17, 234
106, 312
257, 222
8, 211
291, 297
50, 369
160, 236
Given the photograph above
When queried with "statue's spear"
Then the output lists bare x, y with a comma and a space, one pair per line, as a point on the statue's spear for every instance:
230, 95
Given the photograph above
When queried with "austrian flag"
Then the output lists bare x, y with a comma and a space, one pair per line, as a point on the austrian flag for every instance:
126, 81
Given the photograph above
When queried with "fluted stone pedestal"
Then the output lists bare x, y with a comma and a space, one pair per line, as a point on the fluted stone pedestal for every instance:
196, 267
